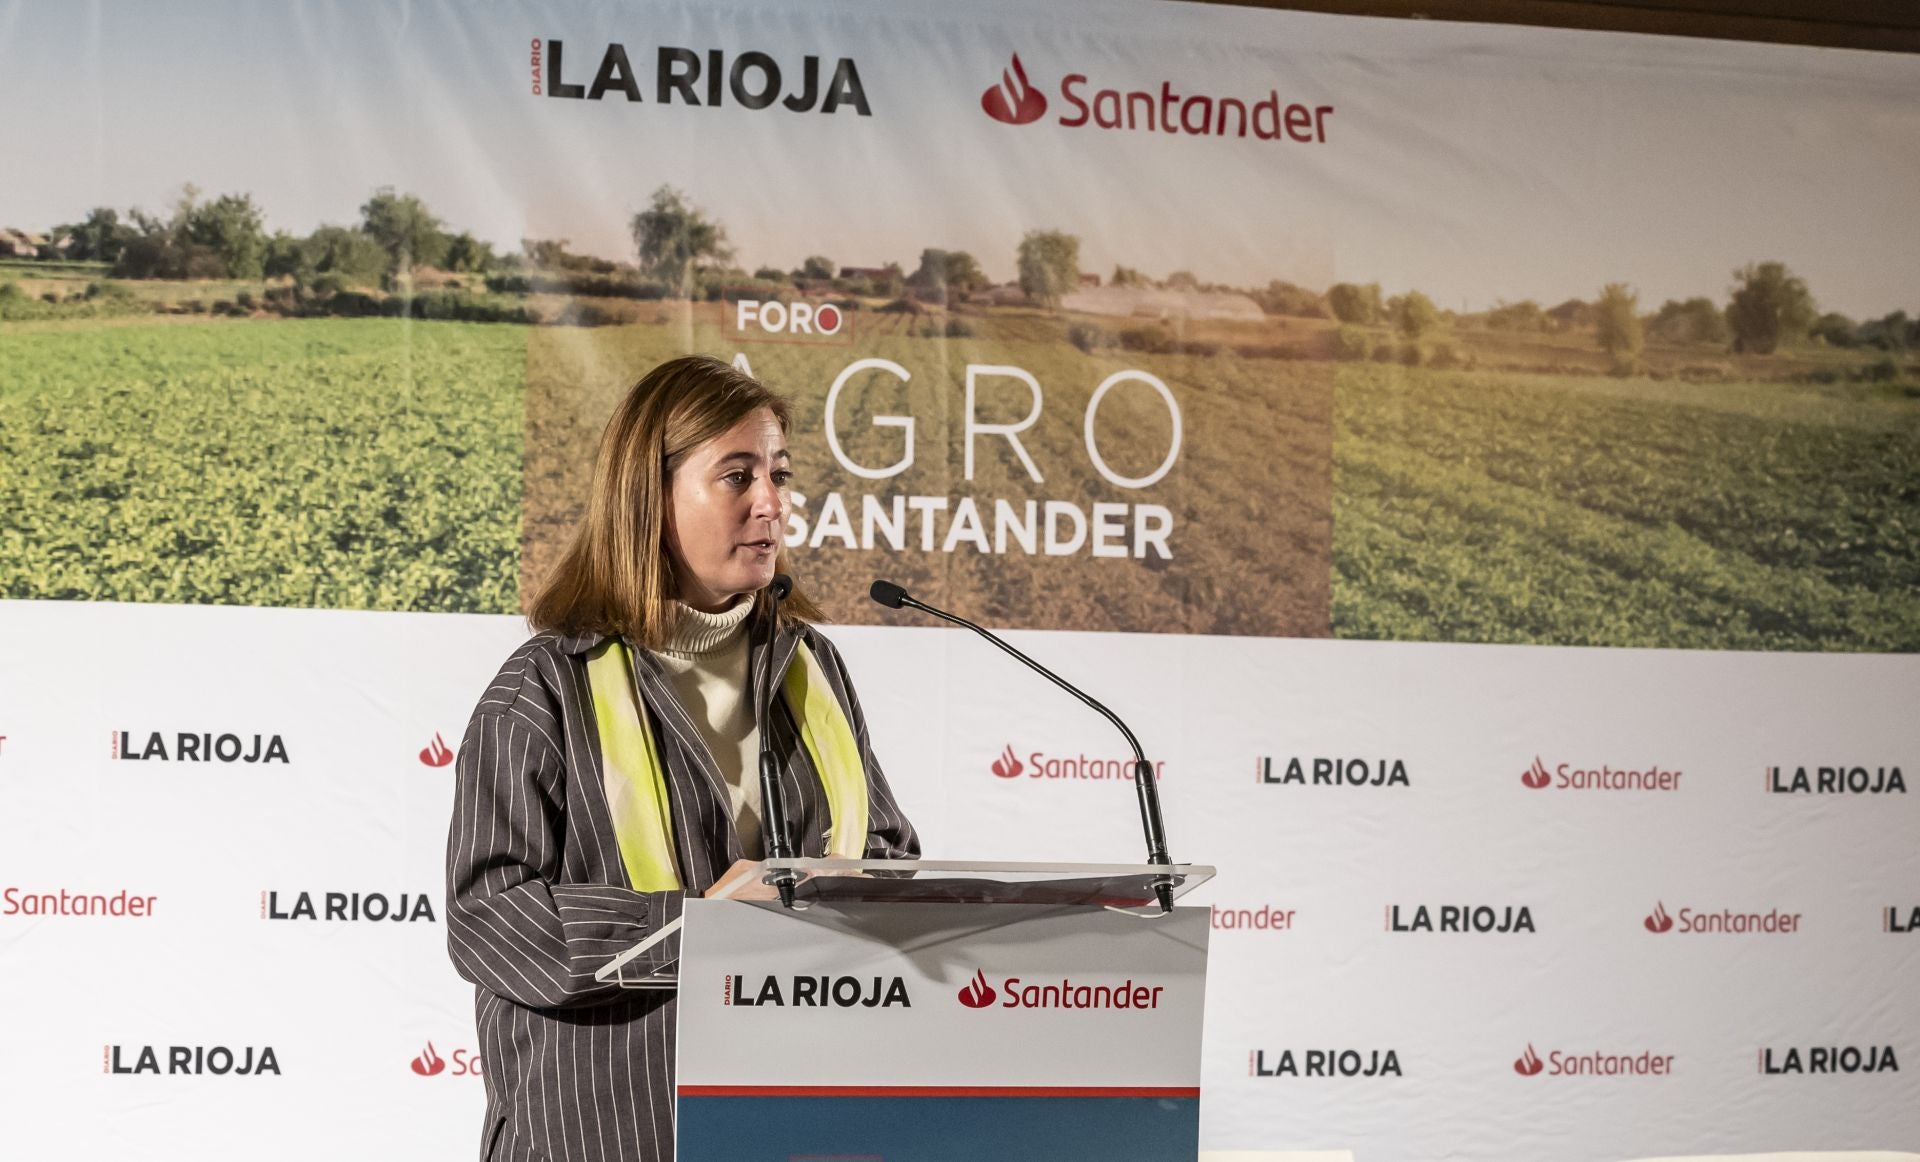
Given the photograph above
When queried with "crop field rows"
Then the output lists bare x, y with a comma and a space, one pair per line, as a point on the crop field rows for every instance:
330, 463
1508, 508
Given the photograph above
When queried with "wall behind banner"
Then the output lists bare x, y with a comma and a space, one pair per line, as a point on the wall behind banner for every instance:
1340, 383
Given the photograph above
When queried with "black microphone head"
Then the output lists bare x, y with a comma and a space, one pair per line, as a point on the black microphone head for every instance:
781, 586
887, 594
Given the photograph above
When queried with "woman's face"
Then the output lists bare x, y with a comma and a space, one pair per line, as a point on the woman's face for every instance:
726, 511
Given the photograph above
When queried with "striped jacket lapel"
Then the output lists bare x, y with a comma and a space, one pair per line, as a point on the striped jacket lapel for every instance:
695, 786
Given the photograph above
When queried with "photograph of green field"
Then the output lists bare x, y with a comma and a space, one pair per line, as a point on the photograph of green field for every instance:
1595, 511
333, 463
1476, 482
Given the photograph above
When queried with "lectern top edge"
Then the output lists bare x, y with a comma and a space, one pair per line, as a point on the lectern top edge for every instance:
1119, 887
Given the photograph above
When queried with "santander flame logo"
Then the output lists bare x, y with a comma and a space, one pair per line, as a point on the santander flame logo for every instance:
1659, 921
429, 1063
436, 753
978, 994
1536, 776
1528, 1063
1008, 766
1014, 101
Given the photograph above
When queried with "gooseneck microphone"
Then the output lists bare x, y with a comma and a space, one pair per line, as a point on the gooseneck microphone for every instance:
773, 814
894, 597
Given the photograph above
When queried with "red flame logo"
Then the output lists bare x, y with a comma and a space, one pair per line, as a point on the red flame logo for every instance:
1013, 100
1536, 776
1528, 1063
1007, 766
436, 754
978, 994
429, 1063
1659, 921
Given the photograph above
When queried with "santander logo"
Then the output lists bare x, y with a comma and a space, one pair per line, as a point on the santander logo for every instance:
1014, 100
436, 754
1659, 921
1528, 1063
1605, 777
1158, 109
429, 1063
1008, 766
978, 994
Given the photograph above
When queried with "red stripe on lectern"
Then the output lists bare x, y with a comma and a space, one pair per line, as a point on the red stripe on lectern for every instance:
937, 1091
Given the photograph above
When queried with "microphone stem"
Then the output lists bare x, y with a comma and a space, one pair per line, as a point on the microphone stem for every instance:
1145, 782
773, 815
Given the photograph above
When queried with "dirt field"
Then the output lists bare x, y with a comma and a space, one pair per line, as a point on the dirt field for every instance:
1250, 496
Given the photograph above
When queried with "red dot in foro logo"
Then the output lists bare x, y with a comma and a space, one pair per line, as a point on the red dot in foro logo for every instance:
435, 753
827, 318
1008, 765
977, 993
429, 1063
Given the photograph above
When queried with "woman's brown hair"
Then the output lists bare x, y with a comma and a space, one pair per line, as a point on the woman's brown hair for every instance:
617, 575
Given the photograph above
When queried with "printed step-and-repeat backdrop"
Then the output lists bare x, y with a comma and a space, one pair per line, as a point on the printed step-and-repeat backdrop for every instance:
1481, 463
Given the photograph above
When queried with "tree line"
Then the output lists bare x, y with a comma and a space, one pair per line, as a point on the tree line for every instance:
681, 252
1767, 307
226, 237
677, 248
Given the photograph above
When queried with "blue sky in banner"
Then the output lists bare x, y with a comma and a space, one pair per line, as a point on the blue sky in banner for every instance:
1477, 163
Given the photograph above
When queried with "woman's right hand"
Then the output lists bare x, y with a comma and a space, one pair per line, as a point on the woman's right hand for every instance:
744, 882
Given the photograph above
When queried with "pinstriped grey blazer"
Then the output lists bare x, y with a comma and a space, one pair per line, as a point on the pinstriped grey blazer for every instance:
538, 897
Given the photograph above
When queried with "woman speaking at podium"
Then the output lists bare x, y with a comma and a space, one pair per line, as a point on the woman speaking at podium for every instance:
612, 766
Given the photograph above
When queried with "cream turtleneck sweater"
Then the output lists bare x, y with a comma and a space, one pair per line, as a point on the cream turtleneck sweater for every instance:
705, 659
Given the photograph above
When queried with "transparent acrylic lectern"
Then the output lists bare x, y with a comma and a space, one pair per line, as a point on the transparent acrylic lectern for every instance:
1125, 888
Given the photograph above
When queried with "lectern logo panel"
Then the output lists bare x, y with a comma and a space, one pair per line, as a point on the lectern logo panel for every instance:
1325, 1063
1059, 993
817, 992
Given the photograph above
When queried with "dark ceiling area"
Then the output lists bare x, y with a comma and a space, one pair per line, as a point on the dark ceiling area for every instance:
1884, 25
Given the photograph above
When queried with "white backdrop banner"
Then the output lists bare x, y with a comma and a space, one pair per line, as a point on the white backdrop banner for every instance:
1480, 462
1446, 960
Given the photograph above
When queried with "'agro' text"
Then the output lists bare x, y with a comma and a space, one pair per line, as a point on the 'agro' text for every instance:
947, 524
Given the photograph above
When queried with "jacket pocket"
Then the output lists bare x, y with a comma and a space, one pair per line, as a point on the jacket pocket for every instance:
504, 1146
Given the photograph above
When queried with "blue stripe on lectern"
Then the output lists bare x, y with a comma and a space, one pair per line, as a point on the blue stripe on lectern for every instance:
740, 1128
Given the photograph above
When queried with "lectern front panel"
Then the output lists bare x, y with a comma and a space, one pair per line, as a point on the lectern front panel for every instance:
939, 1032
